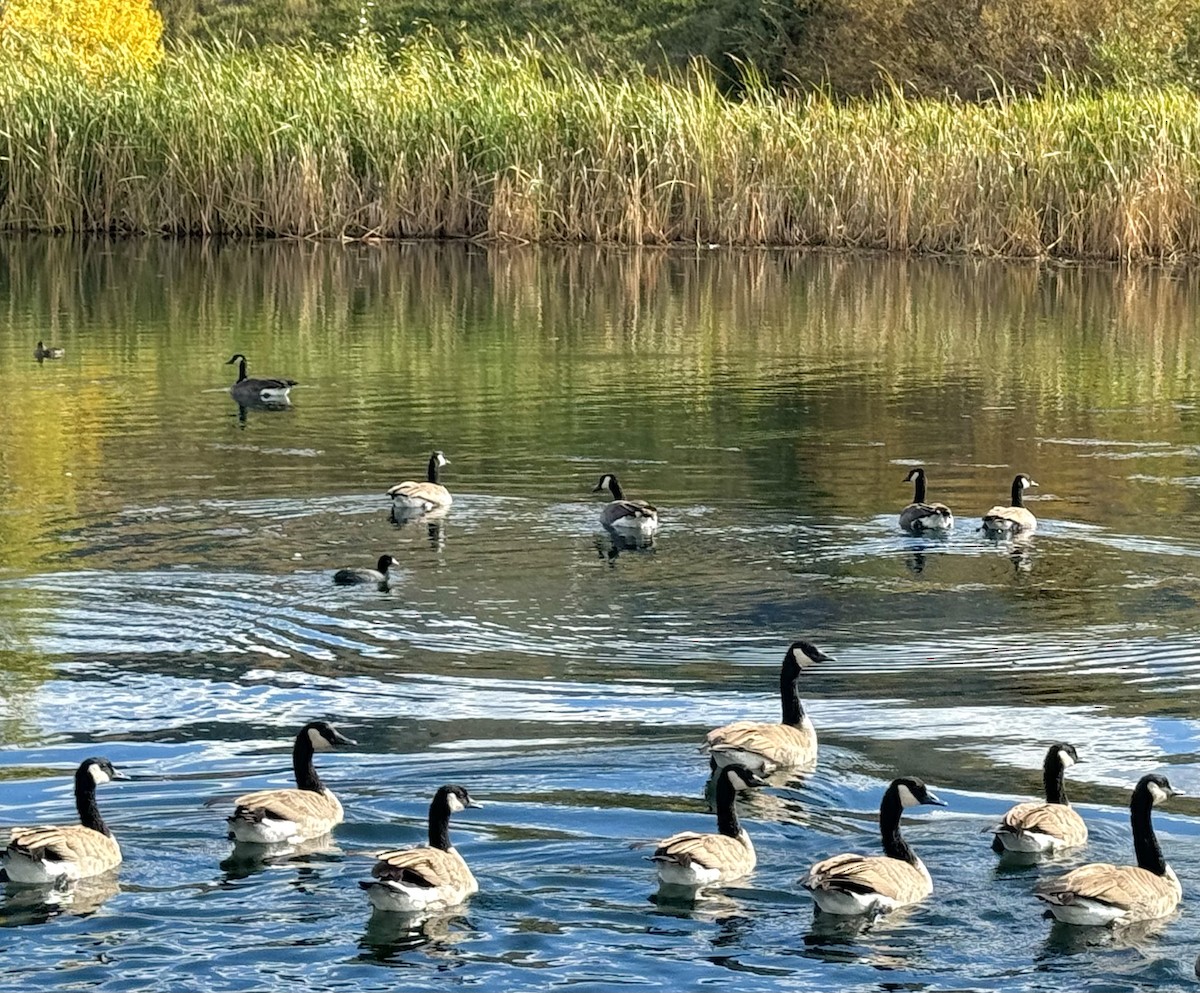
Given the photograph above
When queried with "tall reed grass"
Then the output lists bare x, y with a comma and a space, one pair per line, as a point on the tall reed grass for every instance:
528, 144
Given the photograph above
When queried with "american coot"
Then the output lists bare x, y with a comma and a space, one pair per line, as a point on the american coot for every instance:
350, 577
42, 352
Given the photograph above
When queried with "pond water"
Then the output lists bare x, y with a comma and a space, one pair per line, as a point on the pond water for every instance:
165, 601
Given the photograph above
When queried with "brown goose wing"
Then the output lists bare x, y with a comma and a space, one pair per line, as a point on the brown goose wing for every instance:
892, 878
781, 743
713, 851
617, 510
1055, 819
1132, 889
423, 866
432, 492
71, 843
305, 808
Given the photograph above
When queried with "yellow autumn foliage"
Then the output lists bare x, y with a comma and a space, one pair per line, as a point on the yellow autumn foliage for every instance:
98, 37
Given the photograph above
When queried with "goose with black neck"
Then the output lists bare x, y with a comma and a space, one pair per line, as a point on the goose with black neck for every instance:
1100, 893
268, 817
853, 884
50, 854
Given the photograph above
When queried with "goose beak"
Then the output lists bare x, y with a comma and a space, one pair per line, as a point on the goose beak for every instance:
1175, 792
822, 657
934, 800
117, 774
341, 739
475, 803
1033, 482
232, 360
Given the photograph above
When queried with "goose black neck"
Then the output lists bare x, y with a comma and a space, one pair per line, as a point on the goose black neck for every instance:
432, 473
789, 694
614, 488
727, 818
894, 845
1018, 490
1145, 841
919, 488
241, 369
439, 823
302, 764
1052, 779
85, 802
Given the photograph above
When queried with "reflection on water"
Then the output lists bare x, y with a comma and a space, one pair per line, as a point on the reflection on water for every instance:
165, 590
38, 904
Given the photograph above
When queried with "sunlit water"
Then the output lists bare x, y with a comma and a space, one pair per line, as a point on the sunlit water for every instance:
165, 600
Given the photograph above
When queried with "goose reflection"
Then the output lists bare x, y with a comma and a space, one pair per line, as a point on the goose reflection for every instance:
610, 544
688, 903
245, 406
843, 939
38, 904
434, 521
765, 806
389, 935
1069, 939
248, 859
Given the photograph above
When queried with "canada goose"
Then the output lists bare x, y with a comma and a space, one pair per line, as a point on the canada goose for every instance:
350, 577
268, 817
1101, 893
1009, 520
869, 884
427, 877
763, 747
251, 391
694, 859
48, 854
625, 515
44, 352
1043, 827
919, 515
423, 496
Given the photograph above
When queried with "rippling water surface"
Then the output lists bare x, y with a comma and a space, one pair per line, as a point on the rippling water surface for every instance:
165, 600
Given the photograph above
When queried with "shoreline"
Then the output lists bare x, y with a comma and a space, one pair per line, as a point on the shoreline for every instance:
529, 146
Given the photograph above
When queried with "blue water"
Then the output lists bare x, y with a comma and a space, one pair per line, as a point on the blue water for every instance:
165, 601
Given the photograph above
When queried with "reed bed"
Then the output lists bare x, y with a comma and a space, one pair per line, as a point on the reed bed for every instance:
529, 144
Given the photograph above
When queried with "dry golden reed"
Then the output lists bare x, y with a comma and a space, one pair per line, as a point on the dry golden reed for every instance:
528, 144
